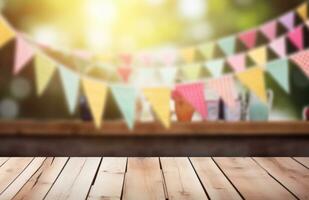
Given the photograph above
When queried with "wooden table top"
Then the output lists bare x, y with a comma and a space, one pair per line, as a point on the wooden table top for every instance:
119, 128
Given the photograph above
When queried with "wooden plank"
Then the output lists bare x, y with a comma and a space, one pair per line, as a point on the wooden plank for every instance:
303, 160
40, 183
22, 179
109, 181
251, 180
289, 173
214, 181
3, 160
181, 180
11, 170
75, 179
143, 179
112, 128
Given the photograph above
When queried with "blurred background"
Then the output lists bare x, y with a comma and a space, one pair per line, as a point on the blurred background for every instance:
111, 26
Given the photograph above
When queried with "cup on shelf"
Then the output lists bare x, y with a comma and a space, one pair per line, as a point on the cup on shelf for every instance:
184, 111
306, 113
259, 111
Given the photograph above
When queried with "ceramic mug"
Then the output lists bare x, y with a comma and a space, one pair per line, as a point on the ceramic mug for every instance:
259, 111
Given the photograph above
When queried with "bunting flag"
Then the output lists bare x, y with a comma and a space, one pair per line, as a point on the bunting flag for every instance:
191, 71
296, 37
253, 79
225, 88
193, 93
6, 32
188, 54
279, 46
44, 69
159, 99
126, 59
96, 93
279, 70
125, 97
288, 20
302, 11
215, 67
70, 82
168, 75
237, 62
259, 55
269, 30
248, 38
301, 60
124, 73
207, 50
168, 58
23, 54
228, 45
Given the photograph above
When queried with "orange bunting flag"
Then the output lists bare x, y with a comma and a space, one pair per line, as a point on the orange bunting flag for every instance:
96, 93
6, 32
159, 99
188, 54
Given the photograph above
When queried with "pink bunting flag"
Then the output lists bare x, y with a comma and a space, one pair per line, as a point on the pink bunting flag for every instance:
169, 58
279, 46
301, 59
23, 54
237, 62
288, 20
248, 38
225, 88
146, 59
124, 73
82, 54
126, 58
270, 30
193, 93
296, 37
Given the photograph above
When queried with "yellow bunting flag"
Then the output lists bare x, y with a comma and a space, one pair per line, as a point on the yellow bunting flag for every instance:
188, 54
259, 55
253, 79
6, 32
96, 93
302, 11
159, 99
44, 69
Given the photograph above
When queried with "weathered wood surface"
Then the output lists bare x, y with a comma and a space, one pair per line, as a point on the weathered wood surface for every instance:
153, 178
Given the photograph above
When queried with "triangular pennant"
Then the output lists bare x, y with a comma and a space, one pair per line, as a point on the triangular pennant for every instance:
96, 93
296, 37
159, 98
193, 93
301, 59
237, 62
215, 67
191, 71
125, 98
288, 20
253, 79
44, 69
207, 50
168, 57
302, 11
279, 70
259, 55
168, 75
124, 73
225, 88
126, 59
248, 38
70, 82
6, 32
23, 54
279, 46
228, 45
269, 30
188, 54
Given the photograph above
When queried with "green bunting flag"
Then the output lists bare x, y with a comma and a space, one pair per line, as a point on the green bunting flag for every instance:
279, 70
215, 67
207, 50
125, 97
228, 45
191, 71
70, 83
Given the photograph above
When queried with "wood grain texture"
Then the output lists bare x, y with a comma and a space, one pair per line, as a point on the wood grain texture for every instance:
112, 128
289, 173
181, 180
214, 181
143, 180
252, 181
303, 160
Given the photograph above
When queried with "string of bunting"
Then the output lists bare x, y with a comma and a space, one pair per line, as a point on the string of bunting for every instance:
159, 97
